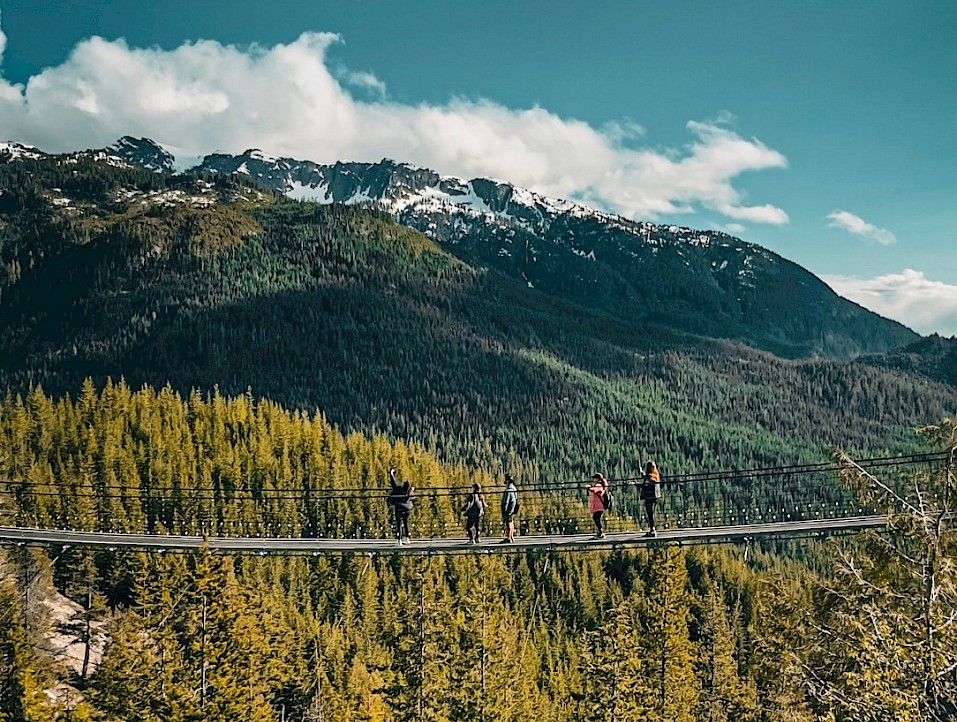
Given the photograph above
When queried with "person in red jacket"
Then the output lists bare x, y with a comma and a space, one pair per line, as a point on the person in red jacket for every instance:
596, 501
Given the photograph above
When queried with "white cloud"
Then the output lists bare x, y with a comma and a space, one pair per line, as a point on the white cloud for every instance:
204, 96
623, 132
365, 81
3, 43
755, 214
909, 297
859, 227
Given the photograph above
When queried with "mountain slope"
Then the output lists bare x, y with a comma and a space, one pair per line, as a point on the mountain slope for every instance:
703, 282
933, 356
195, 283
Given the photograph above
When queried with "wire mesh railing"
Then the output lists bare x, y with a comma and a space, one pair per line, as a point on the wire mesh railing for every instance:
285, 510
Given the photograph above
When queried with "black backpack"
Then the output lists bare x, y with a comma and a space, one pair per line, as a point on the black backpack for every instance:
650, 491
474, 505
607, 500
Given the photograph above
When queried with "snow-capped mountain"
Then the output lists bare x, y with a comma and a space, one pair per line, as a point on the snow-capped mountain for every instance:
702, 282
142, 152
394, 186
10, 151
127, 151
705, 282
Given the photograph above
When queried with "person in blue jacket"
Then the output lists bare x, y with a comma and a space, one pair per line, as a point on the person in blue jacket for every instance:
509, 509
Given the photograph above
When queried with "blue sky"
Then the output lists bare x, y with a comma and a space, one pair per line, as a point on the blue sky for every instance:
822, 130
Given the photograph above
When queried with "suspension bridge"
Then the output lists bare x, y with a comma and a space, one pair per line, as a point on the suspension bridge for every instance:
697, 508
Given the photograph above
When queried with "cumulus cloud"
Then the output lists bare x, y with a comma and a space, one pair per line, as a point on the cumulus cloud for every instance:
366, 81
909, 297
3, 42
734, 229
859, 227
204, 96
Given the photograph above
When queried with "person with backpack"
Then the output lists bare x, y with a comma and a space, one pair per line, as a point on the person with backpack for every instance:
509, 509
473, 509
650, 493
400, 499
598, 495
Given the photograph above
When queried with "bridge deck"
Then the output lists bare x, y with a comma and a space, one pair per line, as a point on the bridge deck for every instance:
697, 535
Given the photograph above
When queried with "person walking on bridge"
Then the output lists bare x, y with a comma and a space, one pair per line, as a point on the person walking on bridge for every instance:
597, 489
650, 493
509, 509
474, 509
400, 498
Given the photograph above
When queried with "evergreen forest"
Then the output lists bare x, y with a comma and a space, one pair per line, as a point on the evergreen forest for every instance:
186, 354
661, 633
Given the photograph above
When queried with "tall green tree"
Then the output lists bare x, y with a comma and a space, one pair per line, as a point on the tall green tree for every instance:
887, 638
726, 694
24, 677
670, 650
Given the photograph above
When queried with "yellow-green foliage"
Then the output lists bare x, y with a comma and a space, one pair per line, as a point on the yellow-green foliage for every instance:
147, 461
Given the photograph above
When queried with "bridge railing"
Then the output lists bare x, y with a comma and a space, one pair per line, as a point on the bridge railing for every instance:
724, 498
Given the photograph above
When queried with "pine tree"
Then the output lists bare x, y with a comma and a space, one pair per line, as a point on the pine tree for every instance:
670, 649
129, 683
887, 645
82, 585
23, 678
724, 695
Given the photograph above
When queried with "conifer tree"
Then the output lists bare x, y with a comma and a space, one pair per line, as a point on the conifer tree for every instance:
887, 645
82, 586
724, 694
670, 650
129, 683
633, 693
23, 678
224, 647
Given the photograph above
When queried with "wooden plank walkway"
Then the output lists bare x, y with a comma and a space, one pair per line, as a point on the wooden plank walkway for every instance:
256, 545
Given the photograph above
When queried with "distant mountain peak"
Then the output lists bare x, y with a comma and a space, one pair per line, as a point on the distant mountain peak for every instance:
142, 152
10, 150
703, 282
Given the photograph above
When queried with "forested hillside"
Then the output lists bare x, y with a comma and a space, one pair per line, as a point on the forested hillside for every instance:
934, 357
658, 634
180, 353
701, 281
115, 272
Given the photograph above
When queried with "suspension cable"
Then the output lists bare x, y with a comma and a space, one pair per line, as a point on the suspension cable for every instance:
97, 490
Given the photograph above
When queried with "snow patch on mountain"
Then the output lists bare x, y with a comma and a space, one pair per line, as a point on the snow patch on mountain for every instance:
142, 153
10, 151
316, 193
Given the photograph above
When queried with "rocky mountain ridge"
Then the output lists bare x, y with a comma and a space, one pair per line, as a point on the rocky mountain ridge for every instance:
704, 282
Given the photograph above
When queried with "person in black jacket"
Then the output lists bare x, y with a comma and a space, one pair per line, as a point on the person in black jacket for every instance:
650, 493
400, 498
473, 509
